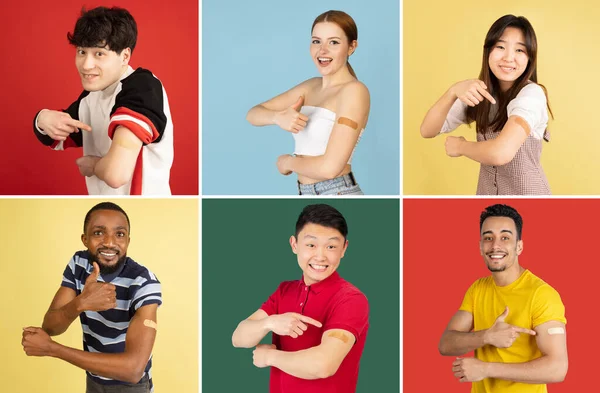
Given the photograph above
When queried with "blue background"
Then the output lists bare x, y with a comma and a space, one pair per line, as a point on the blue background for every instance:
253, 51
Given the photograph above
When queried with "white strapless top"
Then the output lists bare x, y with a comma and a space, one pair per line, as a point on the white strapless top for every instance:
313, 139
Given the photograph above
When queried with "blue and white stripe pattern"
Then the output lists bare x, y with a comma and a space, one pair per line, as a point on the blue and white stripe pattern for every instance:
105, 331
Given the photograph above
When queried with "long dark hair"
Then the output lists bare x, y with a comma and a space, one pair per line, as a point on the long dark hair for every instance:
345, 22
480, 113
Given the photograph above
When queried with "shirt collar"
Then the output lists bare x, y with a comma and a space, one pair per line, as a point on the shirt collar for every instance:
326, 283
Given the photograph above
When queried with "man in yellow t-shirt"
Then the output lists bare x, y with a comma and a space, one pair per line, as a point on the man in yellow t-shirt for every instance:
513, 320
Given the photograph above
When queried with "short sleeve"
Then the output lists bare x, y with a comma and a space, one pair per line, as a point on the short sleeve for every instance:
456, 116
530, 105
350, 314
75, 139
547, 306
271, 305
139, 107
468, 303
148, 292
68, 279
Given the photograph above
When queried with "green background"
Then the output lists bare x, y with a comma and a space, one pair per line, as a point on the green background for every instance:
246, 254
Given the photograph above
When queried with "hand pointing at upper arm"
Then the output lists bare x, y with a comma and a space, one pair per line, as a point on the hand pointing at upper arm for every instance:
502, 334
59, 125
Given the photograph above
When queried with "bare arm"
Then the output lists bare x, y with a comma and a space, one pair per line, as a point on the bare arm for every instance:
352, 113
116, 167
501, 150
63, 310
551, 367
250, 331
458, 338
127, 366
317, 362
267, 113
436, 115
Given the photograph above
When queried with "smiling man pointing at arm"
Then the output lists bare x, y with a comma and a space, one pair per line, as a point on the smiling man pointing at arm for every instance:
319, 322
513, 320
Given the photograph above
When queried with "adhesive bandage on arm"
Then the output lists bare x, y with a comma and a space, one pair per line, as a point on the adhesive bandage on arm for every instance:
151, 324
556, 330
520, 121
340, 336
347, 122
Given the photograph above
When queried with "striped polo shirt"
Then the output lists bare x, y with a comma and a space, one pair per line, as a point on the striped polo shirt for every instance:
138, 101
105, 331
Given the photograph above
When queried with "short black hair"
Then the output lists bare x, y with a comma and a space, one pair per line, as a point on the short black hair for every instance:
322, 214
500, 210
105, 206
113, 27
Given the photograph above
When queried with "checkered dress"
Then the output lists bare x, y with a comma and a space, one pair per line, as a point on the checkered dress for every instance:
522, 176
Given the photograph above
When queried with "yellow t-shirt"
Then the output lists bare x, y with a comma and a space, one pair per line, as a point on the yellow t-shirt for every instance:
530, 302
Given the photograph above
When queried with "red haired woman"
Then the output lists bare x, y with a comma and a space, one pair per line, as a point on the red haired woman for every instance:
326, 115
510, 110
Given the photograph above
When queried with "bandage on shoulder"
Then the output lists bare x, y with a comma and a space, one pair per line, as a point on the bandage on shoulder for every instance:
151, 324
556, 330
340, 336
520, 121
347, 122
122, 141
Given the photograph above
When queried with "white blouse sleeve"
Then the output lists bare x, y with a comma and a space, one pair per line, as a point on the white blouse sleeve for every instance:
530, 105
456, 116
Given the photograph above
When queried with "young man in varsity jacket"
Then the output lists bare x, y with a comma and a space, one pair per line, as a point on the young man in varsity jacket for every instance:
121, 119
116, 300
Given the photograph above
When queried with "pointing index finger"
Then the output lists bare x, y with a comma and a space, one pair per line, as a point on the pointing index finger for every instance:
79, 124
486, 94
313, 322
526, 331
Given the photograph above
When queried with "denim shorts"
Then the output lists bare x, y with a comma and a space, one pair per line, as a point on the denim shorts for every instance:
343, 185
141, 387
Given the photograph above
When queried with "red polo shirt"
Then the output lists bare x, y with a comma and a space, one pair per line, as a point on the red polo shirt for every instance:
335, 303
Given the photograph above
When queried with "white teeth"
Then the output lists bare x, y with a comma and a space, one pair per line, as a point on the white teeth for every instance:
107, 254
324, 59
497, 256
318, 267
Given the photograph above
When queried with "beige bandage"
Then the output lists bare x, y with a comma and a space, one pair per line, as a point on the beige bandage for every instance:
347, 122
520, 121
339, 336
556, 330
151, 324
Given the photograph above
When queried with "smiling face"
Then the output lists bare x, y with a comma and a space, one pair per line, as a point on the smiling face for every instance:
330, 48
499, 245
319, 251
509, 58
107, 238
100, 67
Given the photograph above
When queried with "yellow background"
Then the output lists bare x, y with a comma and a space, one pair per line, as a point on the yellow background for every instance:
38, 238
443, 44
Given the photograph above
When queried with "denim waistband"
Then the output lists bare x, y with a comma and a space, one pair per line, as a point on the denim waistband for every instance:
322, 187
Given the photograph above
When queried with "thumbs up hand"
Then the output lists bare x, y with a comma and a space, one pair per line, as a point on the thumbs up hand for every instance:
291, 119
502, 334
97, 296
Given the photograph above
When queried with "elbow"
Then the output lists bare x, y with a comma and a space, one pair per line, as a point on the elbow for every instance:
115, 178
236, 342
427, 133
443, 349
501, 157
561, 371
325, 369
330, 170
135, 372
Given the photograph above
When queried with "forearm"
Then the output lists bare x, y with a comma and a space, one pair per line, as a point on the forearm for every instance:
120, 366
434, 119
454, 343
249, 333
486, 152
541, 370
261, 116
316, 167
306, 364
58, 321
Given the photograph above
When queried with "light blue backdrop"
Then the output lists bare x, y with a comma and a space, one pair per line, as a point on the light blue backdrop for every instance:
255, 50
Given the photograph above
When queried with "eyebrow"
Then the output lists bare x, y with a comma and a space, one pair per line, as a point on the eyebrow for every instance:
103, 227
314, 36
314, 237
502, 231
518, 43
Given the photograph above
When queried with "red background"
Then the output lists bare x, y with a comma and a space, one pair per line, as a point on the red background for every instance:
37, 69
441, 260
